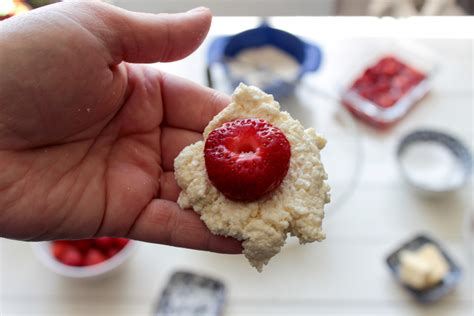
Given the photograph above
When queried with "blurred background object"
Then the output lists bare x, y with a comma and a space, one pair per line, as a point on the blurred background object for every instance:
40, 3
190, 294
269, 58
414, 7
10, 8
308, 7
279, 7
86, 258
434, 162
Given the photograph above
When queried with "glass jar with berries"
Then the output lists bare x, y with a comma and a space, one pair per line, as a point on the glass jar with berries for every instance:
387, 78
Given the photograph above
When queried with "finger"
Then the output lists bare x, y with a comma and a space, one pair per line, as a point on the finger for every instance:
164, 222
169, 189
173, 140
188, 105
143, 37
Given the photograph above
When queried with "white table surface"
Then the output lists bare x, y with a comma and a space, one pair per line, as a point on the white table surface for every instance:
344, 275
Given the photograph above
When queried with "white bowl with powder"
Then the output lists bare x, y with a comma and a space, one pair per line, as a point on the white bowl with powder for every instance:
434, 162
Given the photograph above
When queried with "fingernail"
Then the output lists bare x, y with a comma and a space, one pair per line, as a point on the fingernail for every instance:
198, 9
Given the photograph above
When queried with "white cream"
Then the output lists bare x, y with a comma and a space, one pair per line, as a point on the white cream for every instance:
262, 66
296, 207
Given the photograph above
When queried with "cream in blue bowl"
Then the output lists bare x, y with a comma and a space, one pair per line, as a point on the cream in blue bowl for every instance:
272, 59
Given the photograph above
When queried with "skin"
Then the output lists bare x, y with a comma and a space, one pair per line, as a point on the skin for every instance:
88, 136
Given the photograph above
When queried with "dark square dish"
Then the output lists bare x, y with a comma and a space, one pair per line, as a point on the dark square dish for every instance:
437, 291
189, 294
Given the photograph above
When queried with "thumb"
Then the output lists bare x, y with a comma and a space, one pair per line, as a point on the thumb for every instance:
144, 37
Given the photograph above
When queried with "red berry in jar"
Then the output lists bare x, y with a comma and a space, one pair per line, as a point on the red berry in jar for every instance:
385, 100
71, 256
104, 242
94, 256
59, 247
383, 85
87, 251
120, 242
387, 81
390, 66
82, 245
112, 252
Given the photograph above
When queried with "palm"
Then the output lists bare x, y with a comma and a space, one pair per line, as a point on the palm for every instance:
97, 158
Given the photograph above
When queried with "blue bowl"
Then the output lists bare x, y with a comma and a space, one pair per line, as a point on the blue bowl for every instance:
227, 47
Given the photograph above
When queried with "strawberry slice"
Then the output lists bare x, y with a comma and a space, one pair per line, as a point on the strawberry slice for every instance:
94, 256
246, 158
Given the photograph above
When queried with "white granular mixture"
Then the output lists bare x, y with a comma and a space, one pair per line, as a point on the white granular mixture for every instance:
261, 66
295, 207
432, 165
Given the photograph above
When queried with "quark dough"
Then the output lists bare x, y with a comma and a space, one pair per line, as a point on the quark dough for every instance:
295, 207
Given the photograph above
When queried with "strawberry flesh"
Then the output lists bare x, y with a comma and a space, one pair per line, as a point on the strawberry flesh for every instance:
247, 158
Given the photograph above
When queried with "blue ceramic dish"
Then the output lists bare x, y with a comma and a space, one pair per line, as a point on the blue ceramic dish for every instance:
458, 150
227, 47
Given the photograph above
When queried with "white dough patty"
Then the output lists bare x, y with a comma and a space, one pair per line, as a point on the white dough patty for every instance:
296, 207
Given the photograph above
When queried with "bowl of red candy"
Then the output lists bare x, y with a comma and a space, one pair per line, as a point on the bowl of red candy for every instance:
86, 257
388, 84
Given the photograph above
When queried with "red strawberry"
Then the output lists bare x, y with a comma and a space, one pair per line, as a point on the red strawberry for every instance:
402, 82
120, 242
385, 101
82, 245
246, 158
383, 85
104, 242
94, 256
71, 256
112, 252
58, 247
390, 66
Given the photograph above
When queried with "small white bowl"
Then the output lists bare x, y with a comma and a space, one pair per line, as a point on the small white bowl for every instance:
44, 253
443, 167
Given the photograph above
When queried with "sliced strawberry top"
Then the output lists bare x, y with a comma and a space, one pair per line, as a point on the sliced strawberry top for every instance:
247, 158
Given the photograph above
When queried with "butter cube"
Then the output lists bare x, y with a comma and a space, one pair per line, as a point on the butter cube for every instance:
422, 268
439, 266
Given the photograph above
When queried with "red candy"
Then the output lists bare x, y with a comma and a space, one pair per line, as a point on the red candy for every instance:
246, 158
87, 252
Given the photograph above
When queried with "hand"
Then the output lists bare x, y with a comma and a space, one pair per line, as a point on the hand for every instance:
87, 140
